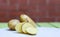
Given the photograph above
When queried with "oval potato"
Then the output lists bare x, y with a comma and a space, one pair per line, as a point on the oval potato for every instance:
26, 18
23, 18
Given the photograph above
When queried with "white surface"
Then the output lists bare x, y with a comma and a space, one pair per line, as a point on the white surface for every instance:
42, 32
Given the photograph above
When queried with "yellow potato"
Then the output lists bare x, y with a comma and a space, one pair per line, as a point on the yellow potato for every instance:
23, 18
18, 27
25, 26
31, 30
26, 18
12, 23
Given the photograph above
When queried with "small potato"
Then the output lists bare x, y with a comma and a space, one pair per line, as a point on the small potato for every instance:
23, 18
25, 26
12, 23
31, 30
26, 18
19, 27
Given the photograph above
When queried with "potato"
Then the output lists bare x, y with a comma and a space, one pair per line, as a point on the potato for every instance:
23, 18
25, 26
19, 27
31, 30
12, 23
26, 18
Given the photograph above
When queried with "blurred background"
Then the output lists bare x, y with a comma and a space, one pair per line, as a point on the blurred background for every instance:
45, 12
38, 10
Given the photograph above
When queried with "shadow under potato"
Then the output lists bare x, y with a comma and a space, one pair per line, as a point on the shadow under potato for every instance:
25, 33
20, 32
11, 30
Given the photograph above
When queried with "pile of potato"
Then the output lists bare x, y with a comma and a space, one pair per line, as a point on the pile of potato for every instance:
25, 25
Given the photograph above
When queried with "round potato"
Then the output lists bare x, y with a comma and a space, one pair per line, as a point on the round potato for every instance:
25, 26
31, 30
12, 23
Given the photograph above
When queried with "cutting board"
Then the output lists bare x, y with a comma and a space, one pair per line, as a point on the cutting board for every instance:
42, 32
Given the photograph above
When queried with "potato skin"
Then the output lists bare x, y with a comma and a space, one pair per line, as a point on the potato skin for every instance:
11, 27
12, 23
26, 18
23, 18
